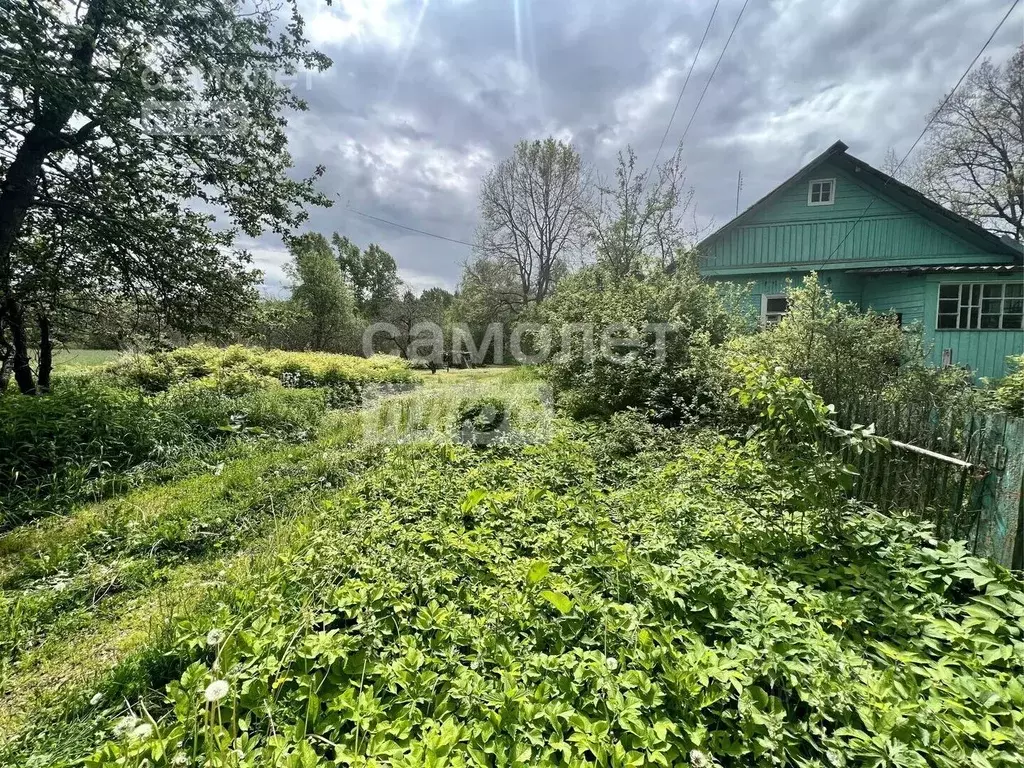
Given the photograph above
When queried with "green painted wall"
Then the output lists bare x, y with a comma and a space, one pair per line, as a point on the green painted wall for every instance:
844, 287
899, 293
790, 234
983, 351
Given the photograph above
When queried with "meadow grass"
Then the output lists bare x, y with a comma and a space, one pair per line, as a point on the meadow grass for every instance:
82, 592
574, 594
67, 357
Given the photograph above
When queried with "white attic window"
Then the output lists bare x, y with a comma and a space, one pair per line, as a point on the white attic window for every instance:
821, 192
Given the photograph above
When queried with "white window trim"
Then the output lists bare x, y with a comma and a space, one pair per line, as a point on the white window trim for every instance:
959, 306
764, 305
831, 197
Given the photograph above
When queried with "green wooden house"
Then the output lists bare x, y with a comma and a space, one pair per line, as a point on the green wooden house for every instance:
882, 245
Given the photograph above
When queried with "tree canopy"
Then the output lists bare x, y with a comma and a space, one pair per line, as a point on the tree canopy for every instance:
973, 160
140, 138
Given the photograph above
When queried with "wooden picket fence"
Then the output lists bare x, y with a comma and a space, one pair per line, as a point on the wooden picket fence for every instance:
962, 470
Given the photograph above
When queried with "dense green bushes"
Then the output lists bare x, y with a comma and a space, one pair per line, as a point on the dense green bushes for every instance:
81, 439
145, 412
345, 375
1010, 390
848, 355
672, 370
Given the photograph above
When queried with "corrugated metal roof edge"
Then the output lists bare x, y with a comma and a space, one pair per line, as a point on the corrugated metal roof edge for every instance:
996, 268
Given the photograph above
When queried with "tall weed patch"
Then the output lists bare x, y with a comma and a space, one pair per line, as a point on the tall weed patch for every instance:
85, 439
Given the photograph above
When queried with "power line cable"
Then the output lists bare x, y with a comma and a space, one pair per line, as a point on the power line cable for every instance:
713, 71
685, 81
928, 125
411, 229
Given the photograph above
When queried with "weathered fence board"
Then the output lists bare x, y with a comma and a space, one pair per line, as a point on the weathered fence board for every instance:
978, 498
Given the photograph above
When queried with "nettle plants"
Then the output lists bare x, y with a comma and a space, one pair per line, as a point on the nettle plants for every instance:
803, 448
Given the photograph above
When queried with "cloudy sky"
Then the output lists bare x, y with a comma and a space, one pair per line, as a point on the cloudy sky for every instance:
426, 95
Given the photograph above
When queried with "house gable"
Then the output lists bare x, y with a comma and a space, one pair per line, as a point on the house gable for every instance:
873, 221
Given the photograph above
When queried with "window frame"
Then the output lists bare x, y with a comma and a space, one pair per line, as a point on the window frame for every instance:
764, 308
977, 308
831, 196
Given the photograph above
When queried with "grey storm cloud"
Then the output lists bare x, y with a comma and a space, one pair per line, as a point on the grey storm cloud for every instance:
426, 95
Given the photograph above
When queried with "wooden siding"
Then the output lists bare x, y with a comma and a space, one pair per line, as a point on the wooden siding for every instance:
899, 293
791, 234
983, 351
844, 287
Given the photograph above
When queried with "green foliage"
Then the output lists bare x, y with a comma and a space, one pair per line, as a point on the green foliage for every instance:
1009, 391
445, 606
482, 419
133, 229
794, 429
675, 376
158, 371
323, 299
82, 439
372, 274
849, 355
104, 429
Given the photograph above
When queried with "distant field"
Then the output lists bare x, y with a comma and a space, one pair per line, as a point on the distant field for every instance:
67, 357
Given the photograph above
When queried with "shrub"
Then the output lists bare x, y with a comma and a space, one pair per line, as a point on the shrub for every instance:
52, 446
348, 376
482, 419
849, 355
802, 446
1009, 392
270, 409
671, 376
82, 438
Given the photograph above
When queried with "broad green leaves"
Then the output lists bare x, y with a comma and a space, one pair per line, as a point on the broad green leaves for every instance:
537, 572
559, 600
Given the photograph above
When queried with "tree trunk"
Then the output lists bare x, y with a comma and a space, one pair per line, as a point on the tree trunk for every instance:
22, 369
45, 356
21, 180
6, 351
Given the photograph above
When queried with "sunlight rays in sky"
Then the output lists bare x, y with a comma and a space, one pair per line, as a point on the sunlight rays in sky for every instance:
407, 48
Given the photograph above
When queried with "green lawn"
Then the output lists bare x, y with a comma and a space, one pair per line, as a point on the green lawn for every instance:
67, 357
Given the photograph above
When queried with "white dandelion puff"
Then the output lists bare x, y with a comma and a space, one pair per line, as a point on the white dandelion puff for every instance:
125, 725
216, 690
613, 664
142, 731
215, 637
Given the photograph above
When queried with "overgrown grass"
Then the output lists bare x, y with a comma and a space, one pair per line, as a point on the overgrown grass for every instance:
103, 432
609, 596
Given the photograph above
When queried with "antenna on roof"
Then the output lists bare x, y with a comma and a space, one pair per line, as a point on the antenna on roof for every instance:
739, 186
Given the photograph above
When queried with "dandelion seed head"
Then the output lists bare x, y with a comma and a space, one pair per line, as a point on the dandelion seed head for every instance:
216, 690
214, 637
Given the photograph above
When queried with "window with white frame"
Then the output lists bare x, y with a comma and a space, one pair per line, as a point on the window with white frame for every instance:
981, 306
821, 192
773, 308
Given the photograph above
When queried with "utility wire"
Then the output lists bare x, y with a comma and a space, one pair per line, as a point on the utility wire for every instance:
931, 120
713, 71
411, 229
685, 81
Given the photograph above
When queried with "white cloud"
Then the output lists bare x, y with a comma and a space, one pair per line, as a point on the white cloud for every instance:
353, 20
